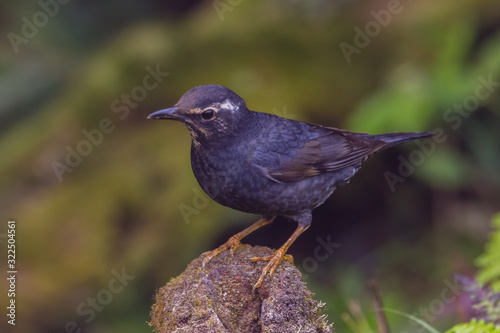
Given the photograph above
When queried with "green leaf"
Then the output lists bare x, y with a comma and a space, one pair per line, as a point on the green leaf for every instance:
415, 319
489, 261
474, 327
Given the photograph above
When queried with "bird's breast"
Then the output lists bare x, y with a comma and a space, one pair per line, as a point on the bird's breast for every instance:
220, 172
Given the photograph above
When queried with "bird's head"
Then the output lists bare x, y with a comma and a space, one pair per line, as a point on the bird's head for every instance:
210, 112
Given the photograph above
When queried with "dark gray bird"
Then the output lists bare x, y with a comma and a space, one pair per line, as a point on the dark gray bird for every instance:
263, 164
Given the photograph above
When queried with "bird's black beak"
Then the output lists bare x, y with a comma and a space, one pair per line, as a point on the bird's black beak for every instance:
170, 113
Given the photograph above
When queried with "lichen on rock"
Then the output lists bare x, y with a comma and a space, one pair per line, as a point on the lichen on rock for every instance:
219, 298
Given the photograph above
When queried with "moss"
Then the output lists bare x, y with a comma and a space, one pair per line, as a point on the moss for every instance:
219, 298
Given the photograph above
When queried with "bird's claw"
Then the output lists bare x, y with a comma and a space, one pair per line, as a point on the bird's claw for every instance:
231, 244
274, 261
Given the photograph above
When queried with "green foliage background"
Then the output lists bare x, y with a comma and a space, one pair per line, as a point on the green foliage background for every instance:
119, 208
489, 262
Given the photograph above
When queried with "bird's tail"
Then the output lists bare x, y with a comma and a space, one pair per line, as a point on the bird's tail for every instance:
393, 139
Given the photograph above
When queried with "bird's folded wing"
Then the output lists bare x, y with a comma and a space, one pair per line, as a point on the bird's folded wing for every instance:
328, 150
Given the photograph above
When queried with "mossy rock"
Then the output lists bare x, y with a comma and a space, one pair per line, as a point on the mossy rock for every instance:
219, 298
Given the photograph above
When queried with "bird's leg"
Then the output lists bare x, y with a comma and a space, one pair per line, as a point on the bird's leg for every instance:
278, 256
234, 241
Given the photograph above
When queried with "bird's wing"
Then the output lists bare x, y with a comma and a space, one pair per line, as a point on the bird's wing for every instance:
303, 150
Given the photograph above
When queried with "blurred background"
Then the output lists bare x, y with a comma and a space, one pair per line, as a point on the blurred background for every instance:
107, 207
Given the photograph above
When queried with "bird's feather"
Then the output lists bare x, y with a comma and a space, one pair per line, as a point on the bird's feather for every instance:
322, 149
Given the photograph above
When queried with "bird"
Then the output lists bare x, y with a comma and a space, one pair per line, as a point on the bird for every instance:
260, 163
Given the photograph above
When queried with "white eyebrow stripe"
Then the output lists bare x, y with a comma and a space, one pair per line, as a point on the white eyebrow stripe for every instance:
227, 104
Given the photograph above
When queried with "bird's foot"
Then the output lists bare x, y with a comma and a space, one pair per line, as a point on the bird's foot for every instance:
232, 243
274, 261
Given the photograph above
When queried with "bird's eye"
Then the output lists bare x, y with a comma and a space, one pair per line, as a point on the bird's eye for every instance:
208, 114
